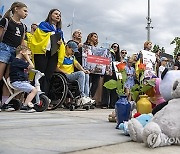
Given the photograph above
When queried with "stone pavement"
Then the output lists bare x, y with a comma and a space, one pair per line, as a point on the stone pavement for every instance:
63, 131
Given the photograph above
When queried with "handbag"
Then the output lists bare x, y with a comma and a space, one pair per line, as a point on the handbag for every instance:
4, 29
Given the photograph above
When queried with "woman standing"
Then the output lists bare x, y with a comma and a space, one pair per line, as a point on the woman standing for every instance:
45, 44
92, 40
110, 97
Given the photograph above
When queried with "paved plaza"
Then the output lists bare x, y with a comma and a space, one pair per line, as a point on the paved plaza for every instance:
63, 131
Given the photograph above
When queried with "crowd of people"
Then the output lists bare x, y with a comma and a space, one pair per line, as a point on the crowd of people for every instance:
40, 49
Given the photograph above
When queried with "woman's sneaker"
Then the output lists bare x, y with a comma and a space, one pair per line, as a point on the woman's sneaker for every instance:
7, 107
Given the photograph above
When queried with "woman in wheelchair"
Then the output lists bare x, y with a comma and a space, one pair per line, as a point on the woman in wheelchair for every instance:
66, 64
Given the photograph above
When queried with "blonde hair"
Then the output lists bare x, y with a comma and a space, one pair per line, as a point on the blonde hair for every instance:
146, 44
20, 48
12, 9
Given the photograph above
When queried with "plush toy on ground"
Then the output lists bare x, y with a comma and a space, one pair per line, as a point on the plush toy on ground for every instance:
136, 126
164, 127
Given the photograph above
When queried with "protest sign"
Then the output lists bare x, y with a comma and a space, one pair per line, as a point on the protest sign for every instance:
149, 59
96, 60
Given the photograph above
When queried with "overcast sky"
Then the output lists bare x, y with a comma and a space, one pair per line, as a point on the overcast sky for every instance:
121, 21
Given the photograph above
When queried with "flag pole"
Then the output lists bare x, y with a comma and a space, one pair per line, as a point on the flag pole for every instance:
72, 23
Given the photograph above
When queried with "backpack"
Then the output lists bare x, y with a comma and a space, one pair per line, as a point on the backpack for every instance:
4, 30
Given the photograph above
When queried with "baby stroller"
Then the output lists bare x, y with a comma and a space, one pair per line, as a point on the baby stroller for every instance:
41, 101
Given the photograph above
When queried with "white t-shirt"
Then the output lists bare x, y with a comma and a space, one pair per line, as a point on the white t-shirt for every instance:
161, 69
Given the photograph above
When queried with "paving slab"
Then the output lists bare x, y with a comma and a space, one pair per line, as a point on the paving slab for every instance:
56, 131
63, 131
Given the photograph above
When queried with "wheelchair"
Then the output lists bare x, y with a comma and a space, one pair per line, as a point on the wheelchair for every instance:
61, 89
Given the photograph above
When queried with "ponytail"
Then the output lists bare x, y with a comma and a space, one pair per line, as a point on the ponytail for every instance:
7, 14
11, 11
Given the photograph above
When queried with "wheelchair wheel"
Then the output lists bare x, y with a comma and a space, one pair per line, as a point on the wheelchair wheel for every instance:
44, 103
15, 103
58, 90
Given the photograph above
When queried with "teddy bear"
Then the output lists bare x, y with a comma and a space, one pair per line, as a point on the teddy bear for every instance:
138, 119
164, 127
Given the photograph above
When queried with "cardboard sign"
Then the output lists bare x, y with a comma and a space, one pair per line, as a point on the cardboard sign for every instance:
149, 59
96, 60
118, 74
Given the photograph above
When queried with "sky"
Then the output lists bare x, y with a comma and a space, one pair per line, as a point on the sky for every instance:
120, 21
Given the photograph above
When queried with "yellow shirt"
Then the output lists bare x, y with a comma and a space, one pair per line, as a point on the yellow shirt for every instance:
66, 63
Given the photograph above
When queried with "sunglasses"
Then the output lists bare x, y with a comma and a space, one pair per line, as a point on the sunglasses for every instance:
115, 46
124, 52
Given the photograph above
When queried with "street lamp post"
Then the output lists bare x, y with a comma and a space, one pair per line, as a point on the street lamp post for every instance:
148, 22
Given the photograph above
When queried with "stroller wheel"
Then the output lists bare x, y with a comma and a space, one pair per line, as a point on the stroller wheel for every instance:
15, 103
92, 107
71, 107
87, 107
43, 105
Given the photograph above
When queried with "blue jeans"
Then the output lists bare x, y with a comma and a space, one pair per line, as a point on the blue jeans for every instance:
83, 81
7, 53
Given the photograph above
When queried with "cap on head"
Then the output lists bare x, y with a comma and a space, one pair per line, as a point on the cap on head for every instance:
163, 59
73, 46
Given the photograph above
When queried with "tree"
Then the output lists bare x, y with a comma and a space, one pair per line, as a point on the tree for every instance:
156, 48
176, 41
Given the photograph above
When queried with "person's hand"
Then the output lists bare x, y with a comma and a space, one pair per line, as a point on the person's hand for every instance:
59, 42
25, 54
86, 72
80, 45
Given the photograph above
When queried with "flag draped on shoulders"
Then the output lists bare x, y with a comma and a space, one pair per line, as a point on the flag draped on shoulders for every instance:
41, 37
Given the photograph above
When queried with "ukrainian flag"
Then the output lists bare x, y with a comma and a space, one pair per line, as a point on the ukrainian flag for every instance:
1, 11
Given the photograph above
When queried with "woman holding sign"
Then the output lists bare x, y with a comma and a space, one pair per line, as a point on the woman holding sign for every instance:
109, 97
92, 40
45, 44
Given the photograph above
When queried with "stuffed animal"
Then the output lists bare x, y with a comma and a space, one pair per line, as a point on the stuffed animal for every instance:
164, 127
157, 98
166, 85
139, 121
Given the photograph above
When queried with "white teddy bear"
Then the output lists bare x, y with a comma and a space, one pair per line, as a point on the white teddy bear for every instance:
164, 127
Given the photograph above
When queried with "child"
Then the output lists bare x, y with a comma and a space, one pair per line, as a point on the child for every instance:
164, 61
130, 78
66, 64
12, 32
19, 76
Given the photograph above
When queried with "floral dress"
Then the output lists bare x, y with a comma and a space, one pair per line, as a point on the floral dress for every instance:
130, 77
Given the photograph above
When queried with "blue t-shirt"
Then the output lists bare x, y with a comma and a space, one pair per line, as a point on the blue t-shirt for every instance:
18, 70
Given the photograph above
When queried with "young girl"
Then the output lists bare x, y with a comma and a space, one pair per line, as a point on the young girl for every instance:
45, 44
11, 38
130, 78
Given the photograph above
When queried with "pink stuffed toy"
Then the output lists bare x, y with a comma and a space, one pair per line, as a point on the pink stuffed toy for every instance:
157, 98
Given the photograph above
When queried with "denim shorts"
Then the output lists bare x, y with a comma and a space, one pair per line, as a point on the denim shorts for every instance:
7, 53
23, 86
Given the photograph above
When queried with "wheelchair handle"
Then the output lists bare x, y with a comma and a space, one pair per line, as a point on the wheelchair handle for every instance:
36, 71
